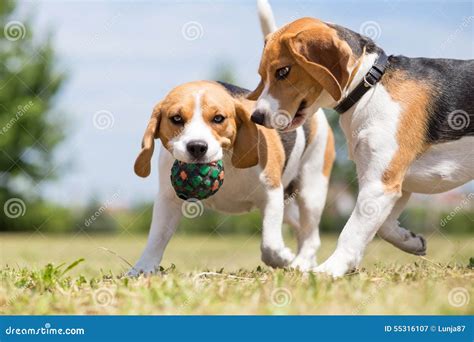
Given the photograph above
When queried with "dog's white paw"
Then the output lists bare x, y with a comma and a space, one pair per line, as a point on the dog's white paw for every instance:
144, 269
132, 273
303, 264
336, 265
280, 257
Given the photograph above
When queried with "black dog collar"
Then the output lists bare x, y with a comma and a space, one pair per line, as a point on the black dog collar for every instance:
370, 79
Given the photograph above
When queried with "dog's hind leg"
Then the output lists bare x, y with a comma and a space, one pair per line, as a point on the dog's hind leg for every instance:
398, 236
311, 196
306, 258
311, 205
274, 251
292, 215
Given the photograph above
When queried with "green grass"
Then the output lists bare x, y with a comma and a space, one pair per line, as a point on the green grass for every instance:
223, 275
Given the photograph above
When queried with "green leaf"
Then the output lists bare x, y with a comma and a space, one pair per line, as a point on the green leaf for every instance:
71, 266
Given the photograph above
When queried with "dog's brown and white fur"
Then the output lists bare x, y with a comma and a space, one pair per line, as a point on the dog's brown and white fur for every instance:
259, 165
397, 133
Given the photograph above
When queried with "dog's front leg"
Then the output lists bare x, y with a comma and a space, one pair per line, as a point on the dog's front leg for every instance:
166, 216
274, 252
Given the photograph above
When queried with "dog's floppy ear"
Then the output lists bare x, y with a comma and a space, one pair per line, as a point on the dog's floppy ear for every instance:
143, 162
245, 151
254, 95
324, 57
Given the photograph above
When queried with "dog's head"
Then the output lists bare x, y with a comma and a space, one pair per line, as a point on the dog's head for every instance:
304, 66
196, 121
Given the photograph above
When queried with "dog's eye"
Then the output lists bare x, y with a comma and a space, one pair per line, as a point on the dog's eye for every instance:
177, 119
218, 119
282, 73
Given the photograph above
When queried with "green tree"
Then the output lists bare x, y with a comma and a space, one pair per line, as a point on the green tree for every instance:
29, 131
224, 71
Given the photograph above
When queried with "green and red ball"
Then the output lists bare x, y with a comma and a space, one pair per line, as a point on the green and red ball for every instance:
197, 181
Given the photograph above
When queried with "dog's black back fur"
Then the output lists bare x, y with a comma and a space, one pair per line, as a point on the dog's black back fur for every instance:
234, 90
451, 112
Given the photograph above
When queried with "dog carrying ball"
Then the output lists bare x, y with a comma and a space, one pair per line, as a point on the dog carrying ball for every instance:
198, 181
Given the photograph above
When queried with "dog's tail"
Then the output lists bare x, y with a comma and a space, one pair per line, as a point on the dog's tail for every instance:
265, 14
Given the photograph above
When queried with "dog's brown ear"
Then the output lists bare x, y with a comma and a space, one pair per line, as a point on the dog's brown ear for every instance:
143, 162
245, 151
324, 56
254, 95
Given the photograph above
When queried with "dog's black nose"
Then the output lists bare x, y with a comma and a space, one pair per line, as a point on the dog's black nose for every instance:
258, 117
197, 148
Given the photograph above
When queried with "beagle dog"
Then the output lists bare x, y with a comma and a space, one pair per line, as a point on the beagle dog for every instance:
409, 122
261, 164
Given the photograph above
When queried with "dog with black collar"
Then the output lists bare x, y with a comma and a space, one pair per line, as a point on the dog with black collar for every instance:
409, 122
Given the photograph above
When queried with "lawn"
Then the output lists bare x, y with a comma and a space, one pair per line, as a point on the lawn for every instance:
223, 275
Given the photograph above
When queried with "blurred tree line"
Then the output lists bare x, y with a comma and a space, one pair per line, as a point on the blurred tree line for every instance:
30, 131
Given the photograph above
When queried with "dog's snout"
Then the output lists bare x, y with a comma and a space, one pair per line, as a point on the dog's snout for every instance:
197, 148
258, 117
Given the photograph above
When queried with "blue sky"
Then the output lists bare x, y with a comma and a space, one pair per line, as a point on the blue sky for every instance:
122, 57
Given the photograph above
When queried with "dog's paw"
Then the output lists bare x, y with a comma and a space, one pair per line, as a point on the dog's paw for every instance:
336, 265
138, 270
416, 244
303, 264
410, 242
280, 257
132, 273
